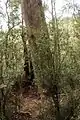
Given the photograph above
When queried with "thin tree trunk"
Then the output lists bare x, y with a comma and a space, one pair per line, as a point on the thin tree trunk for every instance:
26, 59
28, 67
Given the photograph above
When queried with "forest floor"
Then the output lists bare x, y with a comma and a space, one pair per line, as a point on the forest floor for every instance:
31, 104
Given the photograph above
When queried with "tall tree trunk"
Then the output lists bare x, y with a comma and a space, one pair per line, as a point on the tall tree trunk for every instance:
38, 39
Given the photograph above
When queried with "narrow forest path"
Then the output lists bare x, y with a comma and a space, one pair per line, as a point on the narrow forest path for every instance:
31, 103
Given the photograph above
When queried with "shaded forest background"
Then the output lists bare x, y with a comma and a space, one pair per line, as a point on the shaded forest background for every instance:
40, 56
